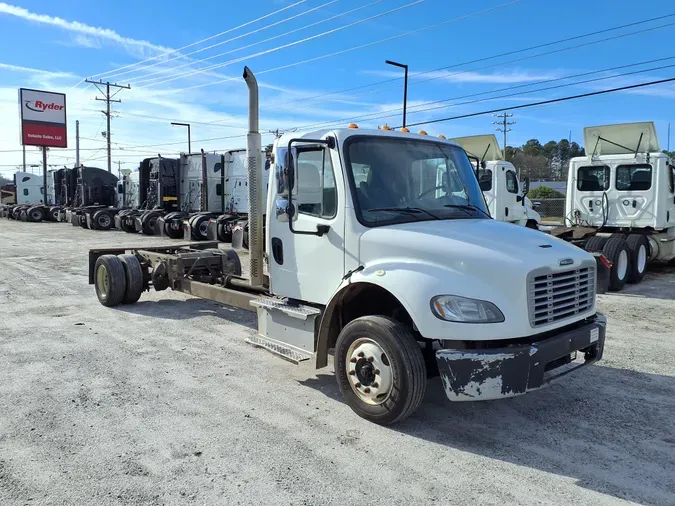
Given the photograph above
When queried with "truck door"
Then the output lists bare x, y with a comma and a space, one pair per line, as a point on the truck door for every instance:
670, 206
506, 195
304, 265
486, 181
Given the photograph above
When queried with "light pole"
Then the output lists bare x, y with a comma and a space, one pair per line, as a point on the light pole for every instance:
405, 85
188, 129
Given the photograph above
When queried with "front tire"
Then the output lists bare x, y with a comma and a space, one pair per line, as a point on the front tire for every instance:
102, 220
110, 280
380, 369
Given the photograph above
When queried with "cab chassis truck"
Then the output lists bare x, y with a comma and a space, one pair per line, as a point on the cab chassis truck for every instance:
495, 310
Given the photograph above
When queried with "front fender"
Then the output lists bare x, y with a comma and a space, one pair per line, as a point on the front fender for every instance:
413, 285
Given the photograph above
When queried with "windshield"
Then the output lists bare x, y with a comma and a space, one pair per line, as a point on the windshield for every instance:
397, 180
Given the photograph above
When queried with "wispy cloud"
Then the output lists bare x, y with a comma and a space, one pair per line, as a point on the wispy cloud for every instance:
139, 46
45, 73
86, 41
513, 77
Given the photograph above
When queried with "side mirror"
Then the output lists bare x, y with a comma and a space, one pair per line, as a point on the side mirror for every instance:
520, 198
289, 171
120, 188
485, 185
483, 164
526, 186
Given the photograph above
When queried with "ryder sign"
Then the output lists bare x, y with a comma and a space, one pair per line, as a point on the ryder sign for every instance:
43, 118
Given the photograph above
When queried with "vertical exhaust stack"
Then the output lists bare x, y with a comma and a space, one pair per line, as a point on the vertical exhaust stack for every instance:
255, 183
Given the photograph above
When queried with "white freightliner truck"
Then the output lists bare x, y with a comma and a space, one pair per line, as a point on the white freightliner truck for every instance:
367, 255
505, 195
621, 200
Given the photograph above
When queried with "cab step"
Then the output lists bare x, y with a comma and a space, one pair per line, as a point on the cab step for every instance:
285, 328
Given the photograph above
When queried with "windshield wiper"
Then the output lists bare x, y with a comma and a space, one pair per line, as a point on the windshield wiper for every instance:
405, 210
467, 207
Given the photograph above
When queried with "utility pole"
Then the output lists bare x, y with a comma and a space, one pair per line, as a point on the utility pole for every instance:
44, 175
504, 126
108, 99
77, 143
668, 140
24, 156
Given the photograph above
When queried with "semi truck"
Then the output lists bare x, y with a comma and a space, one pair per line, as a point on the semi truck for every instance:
158, 195
505, 195
30, 203
621, 200
95, 199
367, 255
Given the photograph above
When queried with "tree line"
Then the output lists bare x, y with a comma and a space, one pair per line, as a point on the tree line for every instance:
544, 161
550, 161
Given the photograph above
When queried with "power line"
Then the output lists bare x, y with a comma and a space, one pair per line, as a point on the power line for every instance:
508, 53
266, 27
111, 73
395, 112
284, 46
545, 102
354, 48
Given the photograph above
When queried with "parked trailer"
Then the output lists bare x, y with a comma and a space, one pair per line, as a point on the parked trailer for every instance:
398, 288
505, 195
621, 200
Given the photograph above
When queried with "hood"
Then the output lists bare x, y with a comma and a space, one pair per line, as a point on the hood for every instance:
480, 249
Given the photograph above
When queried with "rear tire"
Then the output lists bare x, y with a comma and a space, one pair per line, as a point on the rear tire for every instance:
617, 251
35, 214
148, 221
380, 369
109, 280
102, 220
54, 213
595, 244
134, 278
639, 248
82, 220
199, 226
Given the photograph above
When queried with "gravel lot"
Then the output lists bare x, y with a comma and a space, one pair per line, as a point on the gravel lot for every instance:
164, 403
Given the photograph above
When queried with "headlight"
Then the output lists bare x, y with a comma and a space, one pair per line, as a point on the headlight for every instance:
453, 308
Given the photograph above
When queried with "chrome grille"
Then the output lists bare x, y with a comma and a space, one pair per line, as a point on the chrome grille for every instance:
556, 296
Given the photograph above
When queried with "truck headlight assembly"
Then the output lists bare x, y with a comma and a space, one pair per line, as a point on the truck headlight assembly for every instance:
453, 308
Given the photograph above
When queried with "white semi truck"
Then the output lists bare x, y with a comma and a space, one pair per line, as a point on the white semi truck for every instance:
368, 255
505, 195
621, 200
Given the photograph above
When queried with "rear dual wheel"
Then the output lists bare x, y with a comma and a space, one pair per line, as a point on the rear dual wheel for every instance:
118, 279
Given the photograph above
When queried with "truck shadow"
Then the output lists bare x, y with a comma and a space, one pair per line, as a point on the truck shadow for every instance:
611, 430
658, 283
172, 309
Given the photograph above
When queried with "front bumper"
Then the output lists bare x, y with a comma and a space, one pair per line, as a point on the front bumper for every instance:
485, 374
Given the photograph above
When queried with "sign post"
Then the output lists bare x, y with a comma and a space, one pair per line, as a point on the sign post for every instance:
43, 124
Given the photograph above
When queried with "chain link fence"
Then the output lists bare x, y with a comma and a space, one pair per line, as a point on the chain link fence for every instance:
552, 210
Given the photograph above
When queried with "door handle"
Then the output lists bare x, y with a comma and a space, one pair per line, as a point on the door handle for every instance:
278, 250
634, 204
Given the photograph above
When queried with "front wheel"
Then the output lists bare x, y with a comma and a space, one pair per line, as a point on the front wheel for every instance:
380, 369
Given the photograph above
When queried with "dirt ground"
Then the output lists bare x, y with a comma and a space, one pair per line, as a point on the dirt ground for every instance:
164, 403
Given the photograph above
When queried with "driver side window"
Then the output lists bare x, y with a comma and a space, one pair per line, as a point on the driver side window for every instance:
511, 182
316, 190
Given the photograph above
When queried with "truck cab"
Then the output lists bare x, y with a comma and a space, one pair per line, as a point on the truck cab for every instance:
505, 195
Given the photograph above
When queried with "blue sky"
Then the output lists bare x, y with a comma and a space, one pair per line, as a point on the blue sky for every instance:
55, 45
